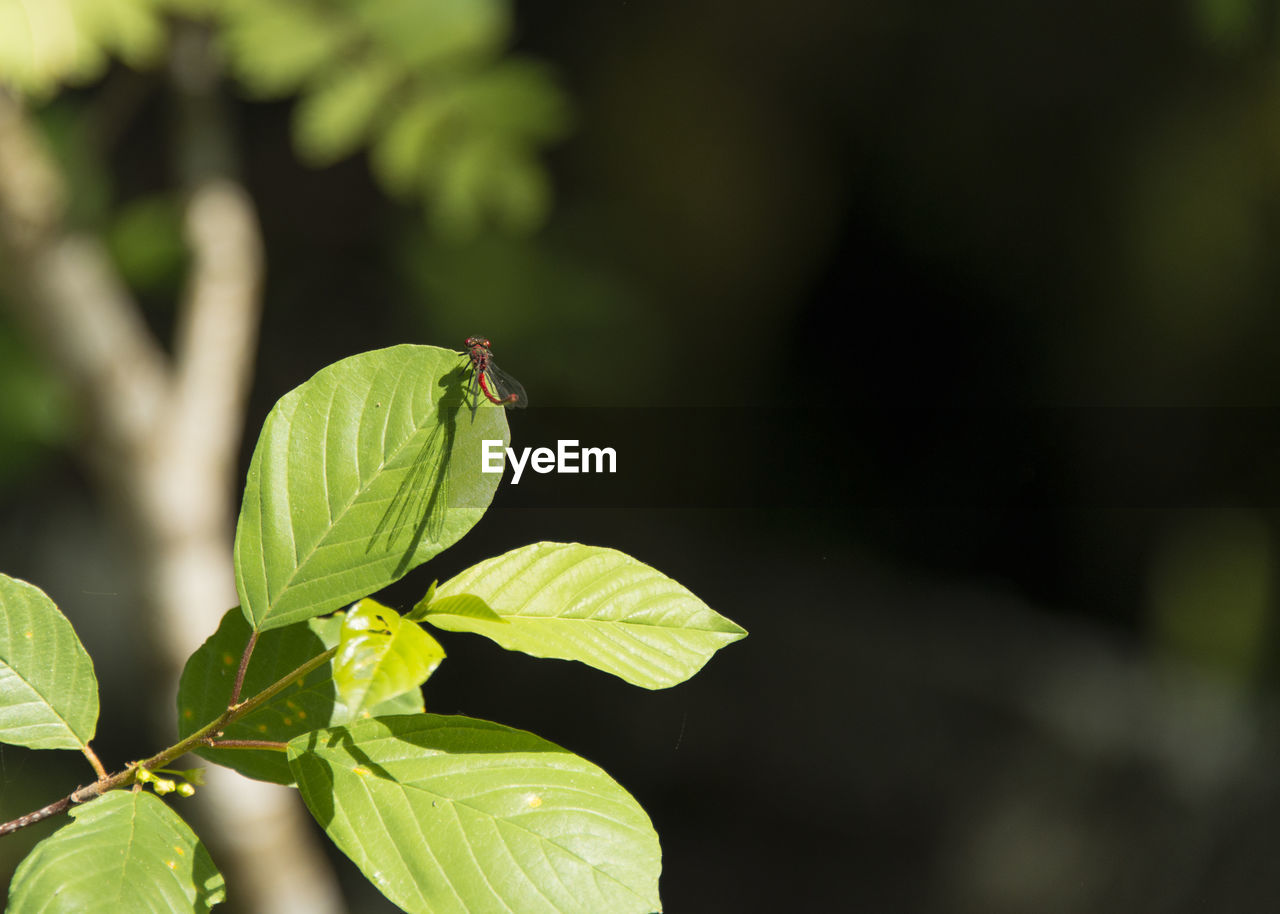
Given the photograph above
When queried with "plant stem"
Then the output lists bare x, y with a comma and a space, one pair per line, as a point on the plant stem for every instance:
248, 744
203, 736
92, 756
244, 665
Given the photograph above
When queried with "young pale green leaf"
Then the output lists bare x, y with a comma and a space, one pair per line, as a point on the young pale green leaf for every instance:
311, 702
380, 656
361, 474
598, 606
125, 851
48, 692
449, 814
419, 611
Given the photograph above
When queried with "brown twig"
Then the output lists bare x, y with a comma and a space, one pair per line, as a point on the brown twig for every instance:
247, 744
244, 666
203, 737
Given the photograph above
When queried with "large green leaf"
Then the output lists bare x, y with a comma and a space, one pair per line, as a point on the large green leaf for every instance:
48, 692
311, 702
449, 815
362, 473
586, 603
381, 656
125, 851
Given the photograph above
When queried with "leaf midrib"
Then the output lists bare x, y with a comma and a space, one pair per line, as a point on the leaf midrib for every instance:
335, 521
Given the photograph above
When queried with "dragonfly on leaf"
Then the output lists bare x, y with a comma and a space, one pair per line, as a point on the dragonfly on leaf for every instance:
487, 378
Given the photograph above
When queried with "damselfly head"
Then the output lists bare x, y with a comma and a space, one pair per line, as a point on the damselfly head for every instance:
477, 342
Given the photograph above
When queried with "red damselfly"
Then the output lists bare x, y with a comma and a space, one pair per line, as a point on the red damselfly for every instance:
487, 378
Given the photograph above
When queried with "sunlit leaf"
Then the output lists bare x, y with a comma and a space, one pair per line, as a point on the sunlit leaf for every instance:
362, 473
380, 656
598, 606
447, 815
48, 691
311, 702
125, 851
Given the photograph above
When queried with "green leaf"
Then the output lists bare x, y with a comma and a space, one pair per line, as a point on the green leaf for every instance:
461, 605
125, 851
361, 474
448, 120
48, 692
46, 43
310, 703
409, 142
419, 611
131, 29
519, 195
381, 656
435, 34
598, 606
459, 189
448, 815
333, 120
276, 48
518, 97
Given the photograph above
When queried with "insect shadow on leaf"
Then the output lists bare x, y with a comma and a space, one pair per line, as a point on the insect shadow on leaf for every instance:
416, 513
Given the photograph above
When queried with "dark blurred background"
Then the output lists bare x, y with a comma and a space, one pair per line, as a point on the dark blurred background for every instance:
938, 344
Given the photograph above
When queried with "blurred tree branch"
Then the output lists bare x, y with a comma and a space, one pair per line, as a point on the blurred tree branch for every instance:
449, 118
165, 431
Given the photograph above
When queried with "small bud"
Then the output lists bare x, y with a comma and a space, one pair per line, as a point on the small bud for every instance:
186, 790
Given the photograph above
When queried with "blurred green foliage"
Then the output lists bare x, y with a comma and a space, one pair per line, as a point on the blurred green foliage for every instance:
1227, 24
424, 84
146, 243
90, 185
549, 299
45, 44
1211, 592
36, 414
